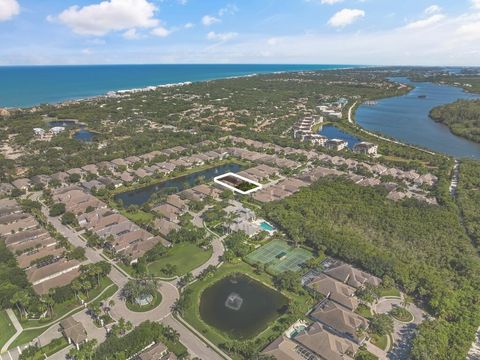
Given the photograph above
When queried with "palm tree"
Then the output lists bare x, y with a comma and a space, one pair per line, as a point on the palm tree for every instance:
21, 299
76, 286
86, 286
406, 300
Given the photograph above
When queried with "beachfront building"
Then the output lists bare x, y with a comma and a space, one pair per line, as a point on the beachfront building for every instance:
336, 144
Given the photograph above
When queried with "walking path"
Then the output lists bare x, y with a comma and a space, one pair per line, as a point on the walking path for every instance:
18, 329
455, 177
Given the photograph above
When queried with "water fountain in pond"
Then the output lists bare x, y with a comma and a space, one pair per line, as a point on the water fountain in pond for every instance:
234, 302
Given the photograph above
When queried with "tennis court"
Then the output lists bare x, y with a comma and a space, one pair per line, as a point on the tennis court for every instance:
293, 261
268, 252
279, 257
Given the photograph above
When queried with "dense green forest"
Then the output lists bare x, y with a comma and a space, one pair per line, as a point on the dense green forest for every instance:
12, 279
424, 248
468, 195
462, 117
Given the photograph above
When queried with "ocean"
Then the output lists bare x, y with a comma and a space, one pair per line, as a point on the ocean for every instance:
25, 86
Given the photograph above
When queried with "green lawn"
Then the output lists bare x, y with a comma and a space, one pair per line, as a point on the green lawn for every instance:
26, 336
380, 341
185, 257
364, 311
67, 306
388, 292
6, 328
53, 347
191, 313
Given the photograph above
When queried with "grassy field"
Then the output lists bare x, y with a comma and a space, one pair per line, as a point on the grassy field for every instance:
192, 312
380, 341
6, 328
26, 336
185, 257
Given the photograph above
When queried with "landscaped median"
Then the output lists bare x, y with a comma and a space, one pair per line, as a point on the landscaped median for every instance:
298, 304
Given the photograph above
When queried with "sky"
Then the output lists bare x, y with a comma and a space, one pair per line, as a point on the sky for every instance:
362, 32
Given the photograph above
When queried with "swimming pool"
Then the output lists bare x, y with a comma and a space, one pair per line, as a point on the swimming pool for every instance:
266, 226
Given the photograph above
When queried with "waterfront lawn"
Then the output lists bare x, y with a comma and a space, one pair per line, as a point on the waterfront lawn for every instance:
7, 330
191, 312
184, 256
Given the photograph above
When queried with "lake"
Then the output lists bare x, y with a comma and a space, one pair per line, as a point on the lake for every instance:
406, 118
332, 132
240, 306
84, 135
143, 195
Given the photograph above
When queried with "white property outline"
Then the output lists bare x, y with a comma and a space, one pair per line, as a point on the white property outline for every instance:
218, 180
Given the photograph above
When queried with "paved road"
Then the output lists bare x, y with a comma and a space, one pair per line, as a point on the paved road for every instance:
195, 346
403, 333
168, 290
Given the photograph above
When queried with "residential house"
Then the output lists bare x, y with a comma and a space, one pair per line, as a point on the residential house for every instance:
73, 331
340, 320
334, 290
325, 344
365, 148
22, 184
351, 276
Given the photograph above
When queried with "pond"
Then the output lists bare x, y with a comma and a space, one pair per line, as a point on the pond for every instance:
240, 306
406, 118
84, 135
63, 122
332, 132
143, 195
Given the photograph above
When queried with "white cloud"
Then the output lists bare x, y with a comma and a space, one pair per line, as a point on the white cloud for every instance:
208, 20
110, 15
470, 31
87, 51
230, 9
476, 4
331, 2
131, 34
161, 31
212, 35
432, 20
8, 9
188, 25
346, 17
433, 9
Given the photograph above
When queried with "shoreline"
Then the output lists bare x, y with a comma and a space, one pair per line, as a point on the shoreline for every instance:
112, 93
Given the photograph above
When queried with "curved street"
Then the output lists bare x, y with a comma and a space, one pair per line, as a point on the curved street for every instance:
194, 341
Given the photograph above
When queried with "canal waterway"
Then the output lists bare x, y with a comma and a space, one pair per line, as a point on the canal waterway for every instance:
143, 195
